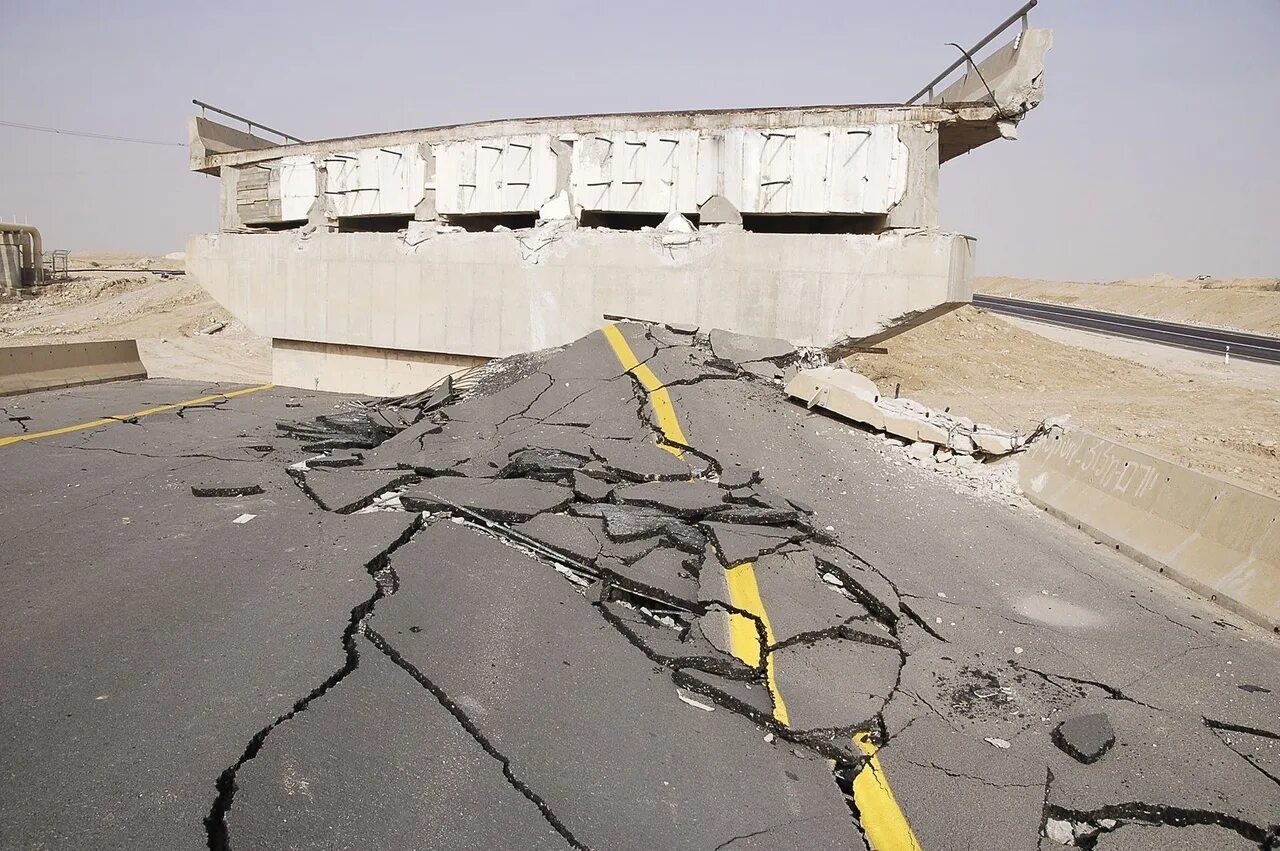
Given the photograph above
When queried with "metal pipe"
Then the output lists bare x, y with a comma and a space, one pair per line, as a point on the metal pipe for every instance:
31, 246
1021, 14
252, 124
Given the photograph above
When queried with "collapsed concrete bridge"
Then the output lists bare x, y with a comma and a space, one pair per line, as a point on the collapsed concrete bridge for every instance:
378, 263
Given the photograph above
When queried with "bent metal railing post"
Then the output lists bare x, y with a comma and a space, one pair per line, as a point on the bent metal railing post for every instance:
1021, 14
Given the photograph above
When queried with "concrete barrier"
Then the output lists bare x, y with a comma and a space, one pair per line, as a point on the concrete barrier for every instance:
1218, 538
24, 369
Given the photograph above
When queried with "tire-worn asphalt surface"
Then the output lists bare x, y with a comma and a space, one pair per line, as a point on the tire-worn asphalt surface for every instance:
510, 617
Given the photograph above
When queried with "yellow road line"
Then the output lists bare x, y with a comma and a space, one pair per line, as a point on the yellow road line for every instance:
882, 818
744, 638
659, 398
19, 438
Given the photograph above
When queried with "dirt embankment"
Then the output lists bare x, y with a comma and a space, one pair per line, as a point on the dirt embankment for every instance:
1240, 304
981, 366
164, 314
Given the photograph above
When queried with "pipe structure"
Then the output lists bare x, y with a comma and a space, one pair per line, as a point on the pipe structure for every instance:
32, 249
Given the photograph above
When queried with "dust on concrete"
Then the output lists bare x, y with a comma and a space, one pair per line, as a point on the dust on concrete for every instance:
978, 365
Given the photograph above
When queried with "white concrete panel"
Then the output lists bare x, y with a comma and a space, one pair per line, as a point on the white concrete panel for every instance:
637, 172
297, 187
512, 174
376, 181
815, 170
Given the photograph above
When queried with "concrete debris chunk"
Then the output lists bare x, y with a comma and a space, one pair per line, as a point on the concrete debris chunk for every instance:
504, 500
854, 396
744, 349
1085, 738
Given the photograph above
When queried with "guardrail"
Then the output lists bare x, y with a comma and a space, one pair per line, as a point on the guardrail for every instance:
251, 124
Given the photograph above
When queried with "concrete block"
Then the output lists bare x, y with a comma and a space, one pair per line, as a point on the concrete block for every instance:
1213, 536
25, 369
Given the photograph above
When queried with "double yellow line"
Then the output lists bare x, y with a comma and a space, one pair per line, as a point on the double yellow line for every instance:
102, 421
882, 818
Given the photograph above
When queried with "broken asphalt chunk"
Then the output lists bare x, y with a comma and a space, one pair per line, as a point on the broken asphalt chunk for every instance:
1085, 738
590, 489
576, 537
743, 349
683, 499
350, 489
640, 460
632, 522
663, 573
226, 489
504, 500
547, 464
738, 543
835, 683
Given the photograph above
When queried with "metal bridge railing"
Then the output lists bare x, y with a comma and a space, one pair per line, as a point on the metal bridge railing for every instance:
1020, 15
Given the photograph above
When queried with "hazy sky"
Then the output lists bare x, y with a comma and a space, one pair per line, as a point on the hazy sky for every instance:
1155, 149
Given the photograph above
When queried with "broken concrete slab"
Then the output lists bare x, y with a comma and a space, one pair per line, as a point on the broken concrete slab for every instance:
742, 348
315, 781
504, 500
690, 499
1085, 738
681, 777
853, 396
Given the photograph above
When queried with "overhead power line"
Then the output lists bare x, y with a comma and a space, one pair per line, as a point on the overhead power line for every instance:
88, 135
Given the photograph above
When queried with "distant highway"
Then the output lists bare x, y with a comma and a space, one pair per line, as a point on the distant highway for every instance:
1256, 347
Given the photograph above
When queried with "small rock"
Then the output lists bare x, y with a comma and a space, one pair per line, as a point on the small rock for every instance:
999, 743
921, 451
1060, 831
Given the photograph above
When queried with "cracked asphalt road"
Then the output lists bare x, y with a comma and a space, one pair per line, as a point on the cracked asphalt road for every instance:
619, 595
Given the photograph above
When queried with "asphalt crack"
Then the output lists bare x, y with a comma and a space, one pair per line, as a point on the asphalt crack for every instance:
481, 739
215, 822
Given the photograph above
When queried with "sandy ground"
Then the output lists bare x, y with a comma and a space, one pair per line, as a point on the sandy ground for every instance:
1241, 304
162, 314
1223, 420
